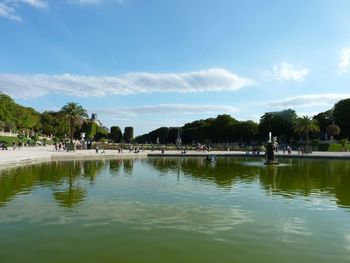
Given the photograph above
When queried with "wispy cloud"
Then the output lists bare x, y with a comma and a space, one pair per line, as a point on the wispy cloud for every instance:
36, 3
150, 117
286, 71
344, 62
85, 2
165, 109
309, 100
9, 12
93, 2
8, 9
29, 86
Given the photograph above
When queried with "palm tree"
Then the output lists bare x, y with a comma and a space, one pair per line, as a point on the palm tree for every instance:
305, 125
73, 111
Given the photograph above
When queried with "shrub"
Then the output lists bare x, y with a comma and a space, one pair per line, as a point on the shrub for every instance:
332, 130
344, 142
323, 147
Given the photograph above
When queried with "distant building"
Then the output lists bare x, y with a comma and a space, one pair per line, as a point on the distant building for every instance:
98, 122
95, 120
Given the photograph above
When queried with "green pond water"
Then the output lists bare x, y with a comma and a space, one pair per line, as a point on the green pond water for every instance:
176, 210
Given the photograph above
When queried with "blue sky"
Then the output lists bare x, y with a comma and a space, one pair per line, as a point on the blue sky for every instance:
167, 62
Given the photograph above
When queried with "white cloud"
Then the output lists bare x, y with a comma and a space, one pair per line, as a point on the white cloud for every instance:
309, 100
286, 71
344, 59
29, 86
9, 12
36, 3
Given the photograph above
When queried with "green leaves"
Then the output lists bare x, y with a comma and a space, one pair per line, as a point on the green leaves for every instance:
73, 112
305, 125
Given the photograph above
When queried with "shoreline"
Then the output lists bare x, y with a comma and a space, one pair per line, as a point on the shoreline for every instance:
294, 155
29, 155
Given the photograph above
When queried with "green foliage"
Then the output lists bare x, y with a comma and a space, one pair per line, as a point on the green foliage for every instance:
224, 128
8, 109
93, 131
2, 125
53, 123
172, 135
245, 130
73, 112
199, 123
8, 140
103, 140
16, 116
323, 147
116, 134
128, 134
279, 123
333, 147
101, 133
305, 125
332, 130
35, 138
27, 118
324, 119
344, 143
341, 115
90, 128
10, 126
315, 143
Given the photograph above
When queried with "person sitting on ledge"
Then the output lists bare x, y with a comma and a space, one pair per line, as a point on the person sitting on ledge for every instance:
3, 146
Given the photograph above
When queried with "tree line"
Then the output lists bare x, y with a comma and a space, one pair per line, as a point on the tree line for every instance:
72, 120
68, 123
285, 124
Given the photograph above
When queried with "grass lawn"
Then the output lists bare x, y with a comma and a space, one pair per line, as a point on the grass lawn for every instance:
8, 140
337, 147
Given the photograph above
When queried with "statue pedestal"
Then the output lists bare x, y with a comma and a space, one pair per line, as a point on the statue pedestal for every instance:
270, 154
70, 147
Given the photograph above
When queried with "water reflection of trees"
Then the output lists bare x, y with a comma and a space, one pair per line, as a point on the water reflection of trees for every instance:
62, 177
224, 172
294, 178
67, 180
127, 164
304, 177
114, 166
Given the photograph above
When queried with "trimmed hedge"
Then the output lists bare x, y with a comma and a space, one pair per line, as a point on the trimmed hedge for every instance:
331, 147
8, 140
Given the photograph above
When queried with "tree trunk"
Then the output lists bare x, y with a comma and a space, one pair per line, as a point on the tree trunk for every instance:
71, 130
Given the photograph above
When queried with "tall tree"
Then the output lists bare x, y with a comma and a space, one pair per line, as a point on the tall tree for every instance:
73, 112
280, 123
341, 115
305, 125
324, 119
332, 130
128, 134
116, 134
245, 131
222, 126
